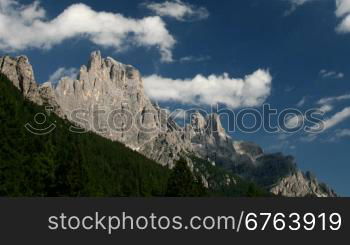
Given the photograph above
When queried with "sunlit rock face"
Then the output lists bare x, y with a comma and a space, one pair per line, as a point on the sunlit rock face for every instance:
107, 93
20, 72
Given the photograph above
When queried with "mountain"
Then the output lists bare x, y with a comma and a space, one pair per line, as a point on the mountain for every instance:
275, 172
115, 91
65, 164
62, 163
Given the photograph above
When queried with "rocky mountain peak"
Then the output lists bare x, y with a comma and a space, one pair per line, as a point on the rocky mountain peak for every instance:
298, 184
116, 70
20, 72
198, 122
214, 125
95, 61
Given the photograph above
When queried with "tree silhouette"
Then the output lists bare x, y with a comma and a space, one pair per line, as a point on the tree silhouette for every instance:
183, 183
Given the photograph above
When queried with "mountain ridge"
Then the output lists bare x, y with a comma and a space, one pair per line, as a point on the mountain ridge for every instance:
112, 85
62, 163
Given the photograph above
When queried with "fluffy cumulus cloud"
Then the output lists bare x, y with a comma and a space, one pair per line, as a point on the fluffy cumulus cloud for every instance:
343, 12
233, 92
30, 28
179, 10
63, 72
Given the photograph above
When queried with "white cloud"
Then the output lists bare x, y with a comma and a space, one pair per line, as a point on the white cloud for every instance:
343, 8
188, 59
63, 72
331, 74
328, 100
334, 120
294, 121
31, 29
342, 133
337, 118
301, 102
299, 2
343, 12
179, 10
295, 4
326, 108
339, 134
331, 122
250, 91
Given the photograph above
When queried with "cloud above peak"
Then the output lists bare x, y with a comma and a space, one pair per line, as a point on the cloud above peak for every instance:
63, 72
250, 91
30, 28
178, 10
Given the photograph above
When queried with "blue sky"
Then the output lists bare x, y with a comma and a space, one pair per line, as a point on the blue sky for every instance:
302, 45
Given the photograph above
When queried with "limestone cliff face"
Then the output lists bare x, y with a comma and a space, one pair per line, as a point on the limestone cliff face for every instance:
111, 99
299, 184
210, 140
108, 98
20, 72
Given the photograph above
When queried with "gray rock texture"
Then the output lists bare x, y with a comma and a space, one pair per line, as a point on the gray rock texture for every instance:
20, 72
108, 98
299, 184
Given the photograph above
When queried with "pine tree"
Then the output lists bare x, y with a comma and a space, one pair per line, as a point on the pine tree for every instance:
182, 182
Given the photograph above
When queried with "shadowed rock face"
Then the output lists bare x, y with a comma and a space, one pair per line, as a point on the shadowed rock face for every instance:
106, 89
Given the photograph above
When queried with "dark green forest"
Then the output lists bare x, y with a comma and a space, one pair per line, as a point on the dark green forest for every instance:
62, 163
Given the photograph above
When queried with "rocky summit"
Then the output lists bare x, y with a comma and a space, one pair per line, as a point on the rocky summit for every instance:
108, 98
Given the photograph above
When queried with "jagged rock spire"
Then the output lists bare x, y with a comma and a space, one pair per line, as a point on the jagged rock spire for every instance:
20, 72
215, 126
198, 121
